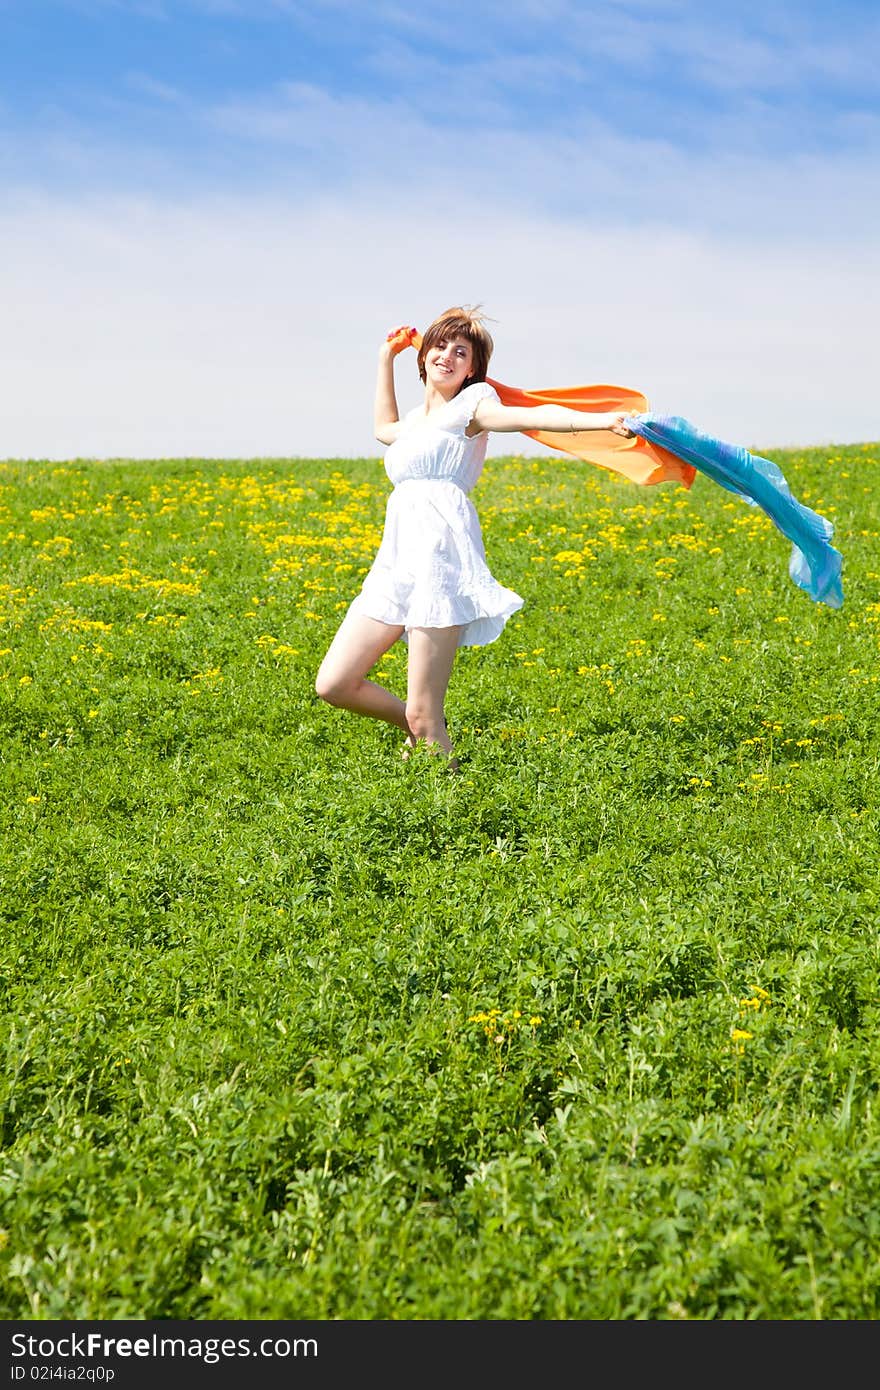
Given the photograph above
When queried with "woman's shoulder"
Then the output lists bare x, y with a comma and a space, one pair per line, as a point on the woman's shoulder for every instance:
467, 401
478, 391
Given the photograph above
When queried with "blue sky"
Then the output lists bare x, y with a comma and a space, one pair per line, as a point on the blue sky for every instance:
208, 202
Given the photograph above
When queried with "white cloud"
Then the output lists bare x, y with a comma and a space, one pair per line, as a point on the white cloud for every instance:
148, 86
228, 328
590, 171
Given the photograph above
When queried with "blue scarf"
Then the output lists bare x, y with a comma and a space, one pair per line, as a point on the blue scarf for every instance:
815, 566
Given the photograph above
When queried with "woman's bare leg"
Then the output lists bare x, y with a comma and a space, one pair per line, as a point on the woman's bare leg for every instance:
341, 678
431, 656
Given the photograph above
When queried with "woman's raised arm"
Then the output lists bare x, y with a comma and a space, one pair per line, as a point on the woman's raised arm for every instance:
386, 417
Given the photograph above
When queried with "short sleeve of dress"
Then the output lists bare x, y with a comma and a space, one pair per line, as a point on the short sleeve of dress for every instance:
466, 402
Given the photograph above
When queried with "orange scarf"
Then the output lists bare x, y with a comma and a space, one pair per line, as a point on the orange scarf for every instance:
634, 458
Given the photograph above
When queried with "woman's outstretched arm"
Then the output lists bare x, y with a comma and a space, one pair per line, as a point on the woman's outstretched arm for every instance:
386, 417
558, 419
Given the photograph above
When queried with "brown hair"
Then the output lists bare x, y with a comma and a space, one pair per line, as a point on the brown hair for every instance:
460, 322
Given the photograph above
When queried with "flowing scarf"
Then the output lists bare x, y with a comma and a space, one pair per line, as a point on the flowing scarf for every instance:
815, 565
667, 448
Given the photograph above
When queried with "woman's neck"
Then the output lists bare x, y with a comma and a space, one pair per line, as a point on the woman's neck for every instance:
435, 399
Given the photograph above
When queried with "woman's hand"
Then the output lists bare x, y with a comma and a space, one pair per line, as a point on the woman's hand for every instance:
399, 339
617, 423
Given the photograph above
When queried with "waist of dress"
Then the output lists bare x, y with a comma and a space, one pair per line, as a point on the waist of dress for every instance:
421, 480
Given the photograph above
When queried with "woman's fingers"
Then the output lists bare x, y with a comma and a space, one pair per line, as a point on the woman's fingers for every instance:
401, 337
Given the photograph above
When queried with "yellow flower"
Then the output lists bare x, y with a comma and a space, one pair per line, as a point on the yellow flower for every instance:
740, 1039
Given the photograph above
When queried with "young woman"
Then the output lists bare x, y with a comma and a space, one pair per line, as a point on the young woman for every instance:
429, 583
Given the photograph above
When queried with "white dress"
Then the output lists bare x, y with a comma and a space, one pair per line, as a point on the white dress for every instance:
430, 569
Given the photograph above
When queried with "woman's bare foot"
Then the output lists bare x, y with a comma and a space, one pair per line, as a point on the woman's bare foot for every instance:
434, 747
443, 746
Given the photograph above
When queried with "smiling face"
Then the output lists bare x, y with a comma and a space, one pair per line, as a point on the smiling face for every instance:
456, 337
449, 364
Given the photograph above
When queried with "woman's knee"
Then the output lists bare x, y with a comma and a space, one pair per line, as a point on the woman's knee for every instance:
332, 687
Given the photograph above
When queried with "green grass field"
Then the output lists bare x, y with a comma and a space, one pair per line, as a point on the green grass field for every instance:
295, 1029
